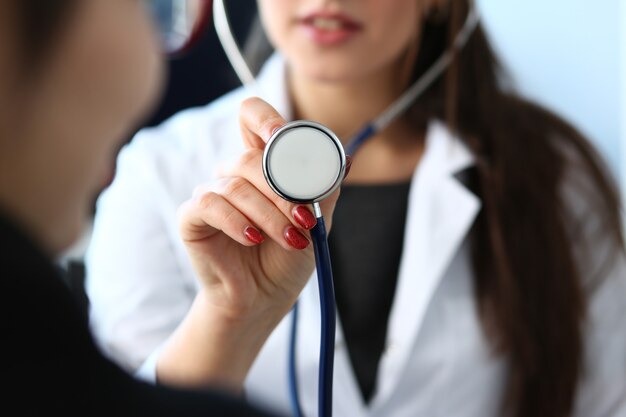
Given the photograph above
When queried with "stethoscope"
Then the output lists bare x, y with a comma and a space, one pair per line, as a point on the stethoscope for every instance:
304, 162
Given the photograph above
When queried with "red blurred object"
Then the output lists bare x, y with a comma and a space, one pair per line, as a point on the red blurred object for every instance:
204, 19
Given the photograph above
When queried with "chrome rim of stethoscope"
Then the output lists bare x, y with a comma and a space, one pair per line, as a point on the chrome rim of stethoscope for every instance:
286, 132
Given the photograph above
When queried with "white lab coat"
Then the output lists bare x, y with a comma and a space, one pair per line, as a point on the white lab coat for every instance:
436, 362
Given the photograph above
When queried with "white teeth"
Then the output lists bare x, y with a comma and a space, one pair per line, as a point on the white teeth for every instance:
326, 24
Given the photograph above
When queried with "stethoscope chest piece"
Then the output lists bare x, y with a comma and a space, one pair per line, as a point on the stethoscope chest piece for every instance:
304, 162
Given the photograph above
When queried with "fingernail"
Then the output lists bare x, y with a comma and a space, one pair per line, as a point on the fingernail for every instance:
304, 217
253, 235
275, 129
348, 165
295, 238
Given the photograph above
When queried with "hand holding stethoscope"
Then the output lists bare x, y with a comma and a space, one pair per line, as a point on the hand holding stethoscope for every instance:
250, 248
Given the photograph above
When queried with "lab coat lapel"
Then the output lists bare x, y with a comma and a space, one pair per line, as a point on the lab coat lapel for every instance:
439, 215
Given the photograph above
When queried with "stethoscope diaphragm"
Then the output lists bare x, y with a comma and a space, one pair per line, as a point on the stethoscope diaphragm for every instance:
304, 162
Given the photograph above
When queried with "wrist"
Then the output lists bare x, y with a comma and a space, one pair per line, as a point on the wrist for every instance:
213, 346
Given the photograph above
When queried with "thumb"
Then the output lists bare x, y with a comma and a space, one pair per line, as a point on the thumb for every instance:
258, 121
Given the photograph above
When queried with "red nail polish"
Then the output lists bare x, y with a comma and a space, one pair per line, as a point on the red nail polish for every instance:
304, 217
253, 235
348, 165
295, 238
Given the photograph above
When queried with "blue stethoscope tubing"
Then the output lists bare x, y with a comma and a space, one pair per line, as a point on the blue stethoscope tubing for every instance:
328, 316
328, 325
318, 233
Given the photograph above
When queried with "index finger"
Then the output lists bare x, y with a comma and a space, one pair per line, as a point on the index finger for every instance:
258, 121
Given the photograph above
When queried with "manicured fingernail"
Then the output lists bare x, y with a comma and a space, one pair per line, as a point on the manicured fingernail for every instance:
295, 238
253, 235
304, 217
348, 165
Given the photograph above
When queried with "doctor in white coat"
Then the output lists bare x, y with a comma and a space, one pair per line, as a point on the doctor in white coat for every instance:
508, 289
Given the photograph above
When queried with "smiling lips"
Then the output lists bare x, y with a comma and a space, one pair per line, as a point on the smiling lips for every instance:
329, 29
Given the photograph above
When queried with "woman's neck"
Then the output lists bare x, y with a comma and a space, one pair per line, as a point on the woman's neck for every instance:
343, 107
392, 154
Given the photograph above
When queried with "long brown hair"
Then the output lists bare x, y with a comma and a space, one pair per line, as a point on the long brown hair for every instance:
529, 288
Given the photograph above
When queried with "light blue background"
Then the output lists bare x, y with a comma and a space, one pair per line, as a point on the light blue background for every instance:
569, 55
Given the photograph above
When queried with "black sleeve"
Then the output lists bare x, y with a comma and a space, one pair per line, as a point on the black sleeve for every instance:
51, 365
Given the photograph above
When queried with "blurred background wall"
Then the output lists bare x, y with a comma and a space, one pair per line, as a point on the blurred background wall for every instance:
569, 55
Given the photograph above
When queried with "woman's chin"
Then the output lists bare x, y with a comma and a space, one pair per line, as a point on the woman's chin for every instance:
328, 71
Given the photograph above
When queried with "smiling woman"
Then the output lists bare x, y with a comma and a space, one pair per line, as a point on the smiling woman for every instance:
75, 77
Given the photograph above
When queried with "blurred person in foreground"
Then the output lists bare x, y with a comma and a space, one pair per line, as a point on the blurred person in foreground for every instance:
75, 77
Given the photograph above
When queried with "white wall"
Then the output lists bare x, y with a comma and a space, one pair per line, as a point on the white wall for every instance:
570, 56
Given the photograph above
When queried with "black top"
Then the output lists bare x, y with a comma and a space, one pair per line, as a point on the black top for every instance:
365, 245
50, 364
